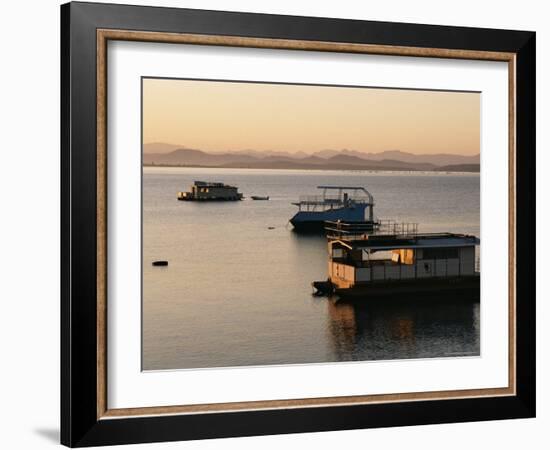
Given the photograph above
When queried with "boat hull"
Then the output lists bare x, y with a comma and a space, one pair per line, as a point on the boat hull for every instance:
465, 287
314, 221
210, 199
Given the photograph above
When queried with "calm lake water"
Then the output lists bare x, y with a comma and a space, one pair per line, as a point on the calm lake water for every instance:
238, 293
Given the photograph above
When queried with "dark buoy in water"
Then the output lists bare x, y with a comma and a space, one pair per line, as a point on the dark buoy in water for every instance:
160, 263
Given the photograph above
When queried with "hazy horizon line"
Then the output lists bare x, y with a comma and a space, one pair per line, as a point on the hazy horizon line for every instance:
307, 152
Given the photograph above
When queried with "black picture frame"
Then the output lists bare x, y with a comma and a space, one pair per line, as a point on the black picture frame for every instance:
80, 425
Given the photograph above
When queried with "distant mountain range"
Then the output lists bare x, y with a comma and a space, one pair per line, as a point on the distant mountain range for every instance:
174, 155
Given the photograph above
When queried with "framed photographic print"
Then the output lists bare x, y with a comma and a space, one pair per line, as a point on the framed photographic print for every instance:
277, 224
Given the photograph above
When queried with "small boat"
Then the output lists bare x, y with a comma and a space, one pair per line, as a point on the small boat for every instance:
322, 288
210, 191
259, 197
350, 204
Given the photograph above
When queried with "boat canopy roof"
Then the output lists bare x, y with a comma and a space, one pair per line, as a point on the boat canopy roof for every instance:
429, 240
212, 184
351, 188
359, 196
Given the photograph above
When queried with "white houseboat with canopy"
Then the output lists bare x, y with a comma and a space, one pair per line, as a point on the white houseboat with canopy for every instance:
397, 260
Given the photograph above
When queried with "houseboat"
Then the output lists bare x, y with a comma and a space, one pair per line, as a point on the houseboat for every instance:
210, 191
396, 260
350, 204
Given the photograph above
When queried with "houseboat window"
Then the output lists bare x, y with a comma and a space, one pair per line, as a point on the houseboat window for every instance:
380, 255
440, 253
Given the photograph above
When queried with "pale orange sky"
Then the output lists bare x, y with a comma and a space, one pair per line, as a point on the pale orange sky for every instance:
229, 116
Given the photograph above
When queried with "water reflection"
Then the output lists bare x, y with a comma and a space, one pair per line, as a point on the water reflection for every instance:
342, 328
416, 328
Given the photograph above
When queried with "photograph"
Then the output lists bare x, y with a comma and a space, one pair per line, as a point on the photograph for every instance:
289, 222
306, 224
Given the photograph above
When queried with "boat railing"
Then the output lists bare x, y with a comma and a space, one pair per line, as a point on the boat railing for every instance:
318, 199
384, 227
394, 227
326, 199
